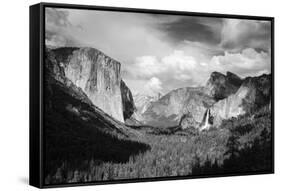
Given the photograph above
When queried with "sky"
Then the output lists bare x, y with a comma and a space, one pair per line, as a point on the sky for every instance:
159, 53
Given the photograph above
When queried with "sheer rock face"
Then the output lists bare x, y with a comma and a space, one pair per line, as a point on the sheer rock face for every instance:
220, 86
55, 75
170, 108
127, 101
254, 93
229, 107
99, 77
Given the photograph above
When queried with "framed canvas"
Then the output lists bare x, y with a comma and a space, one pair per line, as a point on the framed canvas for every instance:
129, 95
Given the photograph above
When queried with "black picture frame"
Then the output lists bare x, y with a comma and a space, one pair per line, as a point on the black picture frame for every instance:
37, 54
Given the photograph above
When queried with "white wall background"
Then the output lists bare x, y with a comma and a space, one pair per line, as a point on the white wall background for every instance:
14, 75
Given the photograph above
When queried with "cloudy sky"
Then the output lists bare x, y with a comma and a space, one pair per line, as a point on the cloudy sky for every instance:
159, 53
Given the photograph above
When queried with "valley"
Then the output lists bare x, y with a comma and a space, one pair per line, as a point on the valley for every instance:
97, 129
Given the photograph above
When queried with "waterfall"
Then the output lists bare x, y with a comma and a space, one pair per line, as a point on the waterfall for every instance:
206, 123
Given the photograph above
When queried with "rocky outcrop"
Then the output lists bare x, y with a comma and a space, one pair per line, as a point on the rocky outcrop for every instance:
54, 74
170, 108
63, 95
187, 121
254, 93
99, 77
127, 101
220, 86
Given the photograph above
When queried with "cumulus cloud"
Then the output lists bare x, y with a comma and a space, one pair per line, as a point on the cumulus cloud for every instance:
173, 71
249, 62
180, 70
153, 86
174, 64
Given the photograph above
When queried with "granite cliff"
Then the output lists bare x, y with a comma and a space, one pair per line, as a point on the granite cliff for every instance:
220, 86
128, 104
99, 78
253, 94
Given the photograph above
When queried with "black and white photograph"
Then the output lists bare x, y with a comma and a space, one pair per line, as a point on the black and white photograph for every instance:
134, 95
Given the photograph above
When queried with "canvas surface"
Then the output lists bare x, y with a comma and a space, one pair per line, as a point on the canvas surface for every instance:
135, 95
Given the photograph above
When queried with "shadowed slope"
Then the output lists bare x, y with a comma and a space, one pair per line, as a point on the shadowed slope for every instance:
77, 131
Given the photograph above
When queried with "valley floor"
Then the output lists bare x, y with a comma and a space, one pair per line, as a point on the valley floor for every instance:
240, 145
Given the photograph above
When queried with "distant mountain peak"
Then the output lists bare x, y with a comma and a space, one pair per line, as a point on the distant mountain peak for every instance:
143, 101
215, 73
228, 73
232, 75
156, 95
221, 86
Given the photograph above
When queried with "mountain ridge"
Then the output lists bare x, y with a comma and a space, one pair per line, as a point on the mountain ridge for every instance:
225, 96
